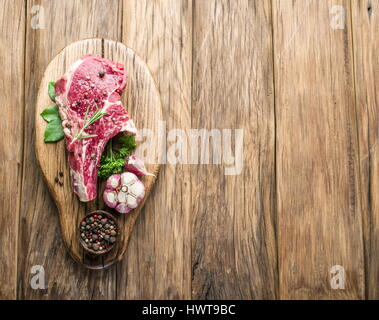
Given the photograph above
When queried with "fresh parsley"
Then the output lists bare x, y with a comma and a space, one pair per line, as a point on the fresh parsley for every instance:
113, 159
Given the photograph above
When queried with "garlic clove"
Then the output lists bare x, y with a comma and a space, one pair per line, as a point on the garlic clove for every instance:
132, 202
135, 165
137, 189
110, 198
123, 208
121, 196
113, 181
128, 178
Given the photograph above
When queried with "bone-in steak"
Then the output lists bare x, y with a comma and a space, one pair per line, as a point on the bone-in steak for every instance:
91, 83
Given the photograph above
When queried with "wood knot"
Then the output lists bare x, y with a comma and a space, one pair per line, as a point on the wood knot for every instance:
369, 9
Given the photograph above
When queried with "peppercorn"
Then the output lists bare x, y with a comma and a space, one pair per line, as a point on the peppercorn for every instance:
95, 234
101, 74
61, 174
56, 179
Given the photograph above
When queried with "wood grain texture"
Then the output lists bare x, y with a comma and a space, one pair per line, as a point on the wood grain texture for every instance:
143, 103
366, 52
12, 52
40, 238
318, 189
233, 240
203, 234
157, 264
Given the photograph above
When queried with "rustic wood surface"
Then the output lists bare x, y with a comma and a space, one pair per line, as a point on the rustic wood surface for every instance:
316, 151
299, 82
144, 105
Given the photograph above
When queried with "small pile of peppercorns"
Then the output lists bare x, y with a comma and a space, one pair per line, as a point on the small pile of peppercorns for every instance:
58, 179
98, 232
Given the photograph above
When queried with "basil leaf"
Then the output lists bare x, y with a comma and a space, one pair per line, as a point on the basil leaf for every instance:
50, 113
51, 91
54, 131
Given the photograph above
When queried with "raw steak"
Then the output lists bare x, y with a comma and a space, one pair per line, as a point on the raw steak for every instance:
91, 83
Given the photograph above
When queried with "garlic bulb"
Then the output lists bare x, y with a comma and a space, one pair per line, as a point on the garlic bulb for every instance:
124, 192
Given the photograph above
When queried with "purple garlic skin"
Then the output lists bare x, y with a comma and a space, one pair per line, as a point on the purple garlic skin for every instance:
135, 165
124, 192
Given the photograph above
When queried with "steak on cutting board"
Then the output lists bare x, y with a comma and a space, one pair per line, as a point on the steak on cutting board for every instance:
91, 83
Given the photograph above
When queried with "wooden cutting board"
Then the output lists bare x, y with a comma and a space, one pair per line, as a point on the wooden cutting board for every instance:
142, 100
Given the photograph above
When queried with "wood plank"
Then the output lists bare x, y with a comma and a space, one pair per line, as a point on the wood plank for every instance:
233, 239
319, 195
41, 242
157, 264
366, 52
12, 40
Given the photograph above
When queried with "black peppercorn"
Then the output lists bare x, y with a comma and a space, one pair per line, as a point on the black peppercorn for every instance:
96, 232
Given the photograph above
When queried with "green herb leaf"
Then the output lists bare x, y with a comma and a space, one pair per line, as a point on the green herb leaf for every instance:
109, 167
113, 160
51, 91
50, 113
87, 136
128, 143
96, 116
54, 131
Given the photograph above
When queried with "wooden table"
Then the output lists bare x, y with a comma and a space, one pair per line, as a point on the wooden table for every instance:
301, 84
